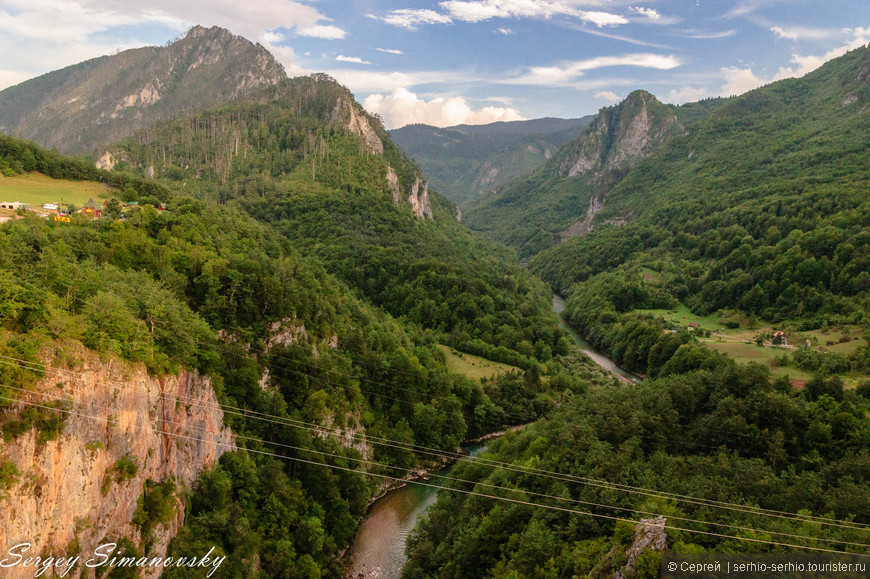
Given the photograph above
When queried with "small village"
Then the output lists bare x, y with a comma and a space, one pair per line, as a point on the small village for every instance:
63, 212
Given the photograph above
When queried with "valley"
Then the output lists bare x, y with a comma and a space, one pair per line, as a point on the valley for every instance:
277, 311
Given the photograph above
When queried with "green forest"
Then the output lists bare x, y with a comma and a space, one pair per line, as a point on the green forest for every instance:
292, 209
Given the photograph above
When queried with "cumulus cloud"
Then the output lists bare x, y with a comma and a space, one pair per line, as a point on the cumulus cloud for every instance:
411, 18
687, 94
50, 34
327, 31
389, 50
505, 31
354, 59
402, 107
650, 13
740, 80
652, 16
271, 37
609, 96
566, 73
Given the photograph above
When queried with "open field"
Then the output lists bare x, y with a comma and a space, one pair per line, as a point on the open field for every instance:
682, 317
739, 343
36, 189
473, 366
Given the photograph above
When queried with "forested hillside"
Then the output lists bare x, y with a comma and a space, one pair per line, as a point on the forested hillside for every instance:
707, 447
94, 103
307, 159
209, 288
562, 198
466, 163
761, 209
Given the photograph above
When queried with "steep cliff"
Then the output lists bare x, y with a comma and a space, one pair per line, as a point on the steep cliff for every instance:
620, 136
562, 199
72, 493
97, 102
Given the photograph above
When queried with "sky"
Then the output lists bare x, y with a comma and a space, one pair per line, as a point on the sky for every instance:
469, 61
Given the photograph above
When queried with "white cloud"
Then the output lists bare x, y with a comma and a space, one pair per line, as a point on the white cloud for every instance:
740, 80
650, 13
389, 50
271, 37
687, 94
327, 32
354, 59
609, 96
50, 34
505, 31
652, 16
480, 10
806, 33
709, 35
372, 81
12, 77
602, 19
403, 107
411, 19
565, 73
287, 57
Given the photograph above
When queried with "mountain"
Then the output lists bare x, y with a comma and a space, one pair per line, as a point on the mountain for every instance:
469, 162
99, 101
300, 273
560, 200
755, 217
728, 262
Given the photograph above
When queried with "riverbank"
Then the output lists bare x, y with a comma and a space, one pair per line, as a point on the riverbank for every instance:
586, 348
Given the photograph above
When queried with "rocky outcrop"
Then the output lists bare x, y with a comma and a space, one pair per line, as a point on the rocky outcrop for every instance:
616, 140
621, 136
347, 115
67, 497
649, 535
419, 199
584, 226
393, 184
98, 102
106, 162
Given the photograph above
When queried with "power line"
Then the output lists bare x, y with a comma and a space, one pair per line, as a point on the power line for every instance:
439, 487
447, 477
749, 509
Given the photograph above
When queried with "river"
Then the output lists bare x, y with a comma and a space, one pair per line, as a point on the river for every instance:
586, 347
379, 547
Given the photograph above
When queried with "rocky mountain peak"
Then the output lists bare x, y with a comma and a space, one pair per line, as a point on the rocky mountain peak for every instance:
621, 135
89, 105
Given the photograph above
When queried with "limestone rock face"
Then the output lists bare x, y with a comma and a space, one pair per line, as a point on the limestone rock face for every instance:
649, 535
346, 114
169, 426
621, 136
419, 199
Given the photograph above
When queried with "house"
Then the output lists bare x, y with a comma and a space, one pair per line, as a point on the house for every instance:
694, 325
13, 205
647, 276
50, 206
91, 208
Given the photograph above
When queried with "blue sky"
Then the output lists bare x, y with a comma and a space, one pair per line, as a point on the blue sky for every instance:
473, 61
